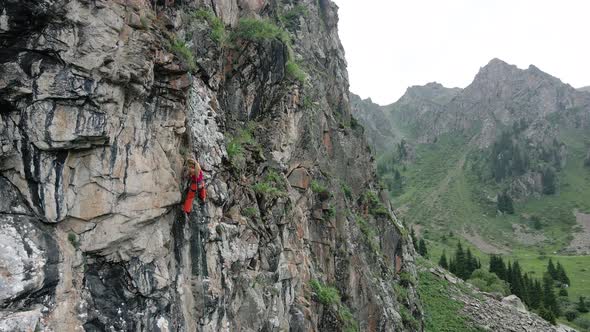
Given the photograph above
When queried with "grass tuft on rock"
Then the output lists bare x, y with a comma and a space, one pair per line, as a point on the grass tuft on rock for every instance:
329, 296
260, 30
318, 188
181, 50
326, 295
218, 33
250, 212
294, 71
73, 239
272, 186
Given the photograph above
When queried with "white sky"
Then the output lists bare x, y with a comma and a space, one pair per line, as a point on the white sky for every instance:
393, 44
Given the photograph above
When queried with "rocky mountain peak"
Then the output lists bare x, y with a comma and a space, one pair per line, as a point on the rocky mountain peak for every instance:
432, 92
500, 72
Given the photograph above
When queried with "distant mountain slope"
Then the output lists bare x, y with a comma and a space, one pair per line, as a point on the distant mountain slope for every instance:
420, 107
380, 131
503, 164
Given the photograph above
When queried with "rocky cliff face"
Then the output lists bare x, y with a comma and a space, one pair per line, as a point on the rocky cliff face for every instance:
100, 104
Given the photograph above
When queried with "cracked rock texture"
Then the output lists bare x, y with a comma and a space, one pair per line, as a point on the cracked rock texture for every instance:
97, 115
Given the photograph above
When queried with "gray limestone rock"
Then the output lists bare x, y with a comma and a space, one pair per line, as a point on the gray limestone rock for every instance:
99, 110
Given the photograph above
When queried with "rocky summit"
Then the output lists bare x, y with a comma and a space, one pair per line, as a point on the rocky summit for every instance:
101, 104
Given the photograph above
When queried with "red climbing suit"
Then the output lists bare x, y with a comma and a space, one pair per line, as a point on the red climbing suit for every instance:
196, 182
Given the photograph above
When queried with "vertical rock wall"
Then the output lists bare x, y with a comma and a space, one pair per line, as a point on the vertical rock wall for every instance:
98, 113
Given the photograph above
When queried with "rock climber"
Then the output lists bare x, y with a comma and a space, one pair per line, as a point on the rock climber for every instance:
196, 183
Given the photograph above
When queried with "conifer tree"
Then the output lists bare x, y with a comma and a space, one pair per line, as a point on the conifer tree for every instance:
536, 295
549, 300
562, 292
516, 280
501, 203
460, 262
414, 239
397, 182
527, 287
552, 270
561, 275
469, 267
452, 266
582, 306
498, 267
422, 250
442, 262
547, 315
505, 203
509, 204
549, 182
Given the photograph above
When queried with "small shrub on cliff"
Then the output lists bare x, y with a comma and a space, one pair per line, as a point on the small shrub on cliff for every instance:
264, 188
329, 296
330, 212
368, 232
250, 212
272, 186
547, 315
181, 50
218, 32
401, 293
346, 190
326, 295
260, 30
318, 188
235, 146
376, 208
290, 19
73, 240
294, 71
409, 320
347, 319
406, 279
307, 103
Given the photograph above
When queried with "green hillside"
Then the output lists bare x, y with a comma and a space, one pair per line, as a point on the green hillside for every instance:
445, 199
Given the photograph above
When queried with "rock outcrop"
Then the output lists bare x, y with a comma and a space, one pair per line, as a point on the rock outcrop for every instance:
486, 312
100, 104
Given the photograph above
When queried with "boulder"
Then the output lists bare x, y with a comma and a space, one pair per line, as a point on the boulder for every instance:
514, 301
300, 178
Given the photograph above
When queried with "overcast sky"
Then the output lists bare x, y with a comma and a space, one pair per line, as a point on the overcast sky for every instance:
393, 44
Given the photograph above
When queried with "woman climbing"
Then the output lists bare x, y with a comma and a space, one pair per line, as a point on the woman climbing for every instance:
196, 183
